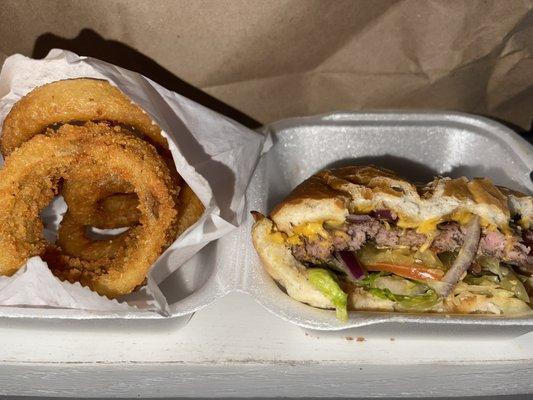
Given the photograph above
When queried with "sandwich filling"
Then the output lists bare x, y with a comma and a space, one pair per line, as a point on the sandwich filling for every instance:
408, 267
319, 247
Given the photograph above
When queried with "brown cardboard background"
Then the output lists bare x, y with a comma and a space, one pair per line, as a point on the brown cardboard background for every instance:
277, 59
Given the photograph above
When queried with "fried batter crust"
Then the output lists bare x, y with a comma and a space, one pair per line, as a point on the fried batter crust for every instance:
30, 179
74, 100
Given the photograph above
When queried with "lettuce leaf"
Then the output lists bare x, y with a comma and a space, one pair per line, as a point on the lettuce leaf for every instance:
326, 282
503, 277
370, 279
511, 282
421, 302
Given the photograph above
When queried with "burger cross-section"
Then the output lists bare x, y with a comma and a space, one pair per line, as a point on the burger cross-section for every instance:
362, 238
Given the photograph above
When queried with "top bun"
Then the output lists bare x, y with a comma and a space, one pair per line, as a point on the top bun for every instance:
331, 195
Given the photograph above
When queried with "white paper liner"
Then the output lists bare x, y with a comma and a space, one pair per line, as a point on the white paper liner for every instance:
34, 285
215, 156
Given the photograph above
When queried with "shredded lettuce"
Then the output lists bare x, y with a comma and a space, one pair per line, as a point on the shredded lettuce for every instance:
421, 302
370, 279
424, 301
326, 282
511, 282
503, 277
394, 283
399, 285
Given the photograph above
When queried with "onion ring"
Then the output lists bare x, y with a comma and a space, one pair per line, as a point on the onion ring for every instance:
74, 241
81, 100
99, 198
30, 179
74, 100
118, 210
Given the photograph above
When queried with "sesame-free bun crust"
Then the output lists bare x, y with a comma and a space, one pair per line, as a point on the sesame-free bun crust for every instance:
333, 194
281, 265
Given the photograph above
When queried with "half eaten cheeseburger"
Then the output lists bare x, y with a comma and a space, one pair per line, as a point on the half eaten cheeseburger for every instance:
361, 238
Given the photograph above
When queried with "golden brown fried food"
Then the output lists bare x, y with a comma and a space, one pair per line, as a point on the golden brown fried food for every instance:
82, 100
118, 210
74, 241
190, 209
74, 100
30, 179
99, 198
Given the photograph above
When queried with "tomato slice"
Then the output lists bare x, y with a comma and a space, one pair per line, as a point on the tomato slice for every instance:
418, 273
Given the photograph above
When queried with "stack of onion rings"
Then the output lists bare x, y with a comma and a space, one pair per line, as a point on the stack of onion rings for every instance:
31, 177
75, 101
101, 170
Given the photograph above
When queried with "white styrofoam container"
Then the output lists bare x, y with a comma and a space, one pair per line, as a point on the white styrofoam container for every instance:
419, 145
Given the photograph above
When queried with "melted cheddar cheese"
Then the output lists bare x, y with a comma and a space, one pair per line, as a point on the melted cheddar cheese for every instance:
311, 230
316, 230
363, 208
278, 237
294, 240
461, 216
429, 227
406, 222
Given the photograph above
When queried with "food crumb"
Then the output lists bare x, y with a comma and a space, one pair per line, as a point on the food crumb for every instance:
361, 339
392, 339
349, 338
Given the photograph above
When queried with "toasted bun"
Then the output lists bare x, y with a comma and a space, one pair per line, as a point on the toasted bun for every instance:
292, 275
333, 194
519, 204
284, 268
313, 200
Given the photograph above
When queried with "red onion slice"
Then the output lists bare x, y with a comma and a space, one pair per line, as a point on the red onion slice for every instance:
354, 270
464, 259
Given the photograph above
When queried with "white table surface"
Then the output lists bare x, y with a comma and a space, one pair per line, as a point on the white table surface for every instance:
236, 348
